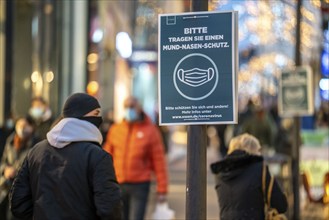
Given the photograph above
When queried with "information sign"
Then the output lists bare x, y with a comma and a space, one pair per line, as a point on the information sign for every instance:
296, 92
197, 68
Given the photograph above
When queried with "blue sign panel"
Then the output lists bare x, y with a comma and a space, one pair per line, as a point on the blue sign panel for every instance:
325, 62
197, 68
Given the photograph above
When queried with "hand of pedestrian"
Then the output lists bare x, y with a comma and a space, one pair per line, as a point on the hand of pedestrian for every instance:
162, 198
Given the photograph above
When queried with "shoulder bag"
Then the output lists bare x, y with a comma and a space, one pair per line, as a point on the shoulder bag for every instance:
270, 212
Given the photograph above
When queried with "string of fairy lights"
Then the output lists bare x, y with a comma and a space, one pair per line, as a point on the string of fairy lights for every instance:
267, 29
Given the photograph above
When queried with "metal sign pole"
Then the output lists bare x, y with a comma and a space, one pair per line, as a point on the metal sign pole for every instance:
193, 41
196, 178
296, 143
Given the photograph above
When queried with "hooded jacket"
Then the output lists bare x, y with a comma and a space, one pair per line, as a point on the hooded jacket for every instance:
137, 151
67, 176
239, 187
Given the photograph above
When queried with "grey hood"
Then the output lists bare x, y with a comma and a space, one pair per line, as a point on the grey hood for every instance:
70, 130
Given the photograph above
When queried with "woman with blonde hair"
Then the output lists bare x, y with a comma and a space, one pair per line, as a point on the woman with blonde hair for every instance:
239, 181
245, 142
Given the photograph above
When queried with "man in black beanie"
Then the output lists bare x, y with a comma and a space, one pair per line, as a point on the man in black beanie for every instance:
68, 175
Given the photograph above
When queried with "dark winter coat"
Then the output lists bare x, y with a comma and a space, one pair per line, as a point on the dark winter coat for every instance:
12, 157
239, 187
67, 179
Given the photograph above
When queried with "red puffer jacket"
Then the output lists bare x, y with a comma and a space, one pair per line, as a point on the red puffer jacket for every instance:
137, 150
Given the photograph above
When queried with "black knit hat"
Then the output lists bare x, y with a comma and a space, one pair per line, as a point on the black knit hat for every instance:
79, 104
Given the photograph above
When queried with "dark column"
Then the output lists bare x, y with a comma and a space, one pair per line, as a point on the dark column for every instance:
8, 57
296, 144
196, 179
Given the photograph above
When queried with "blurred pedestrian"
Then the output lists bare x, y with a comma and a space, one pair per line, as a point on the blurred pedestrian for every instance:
5, 131
322, 116
262, 126
69, 175
42, 116
245, 115
16, 148
284, 139
239, 181
138, 151
221, 132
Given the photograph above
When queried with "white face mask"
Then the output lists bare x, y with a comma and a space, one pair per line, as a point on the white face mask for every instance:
196, 77
36, 112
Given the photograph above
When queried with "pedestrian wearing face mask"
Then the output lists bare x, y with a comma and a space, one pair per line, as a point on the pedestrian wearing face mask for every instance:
16, 148
42, 116
5, 131
138, 152
69, 175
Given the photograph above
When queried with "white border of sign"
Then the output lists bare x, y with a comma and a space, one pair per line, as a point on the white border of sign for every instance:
235, 66
310, 94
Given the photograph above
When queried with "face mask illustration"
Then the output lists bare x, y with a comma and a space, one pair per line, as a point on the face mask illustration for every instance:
295, 96
195, 77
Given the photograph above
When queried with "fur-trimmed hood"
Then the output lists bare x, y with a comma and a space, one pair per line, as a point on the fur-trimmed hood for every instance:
234, 163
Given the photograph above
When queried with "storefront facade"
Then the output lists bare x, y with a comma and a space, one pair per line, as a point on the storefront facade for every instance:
53, 48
